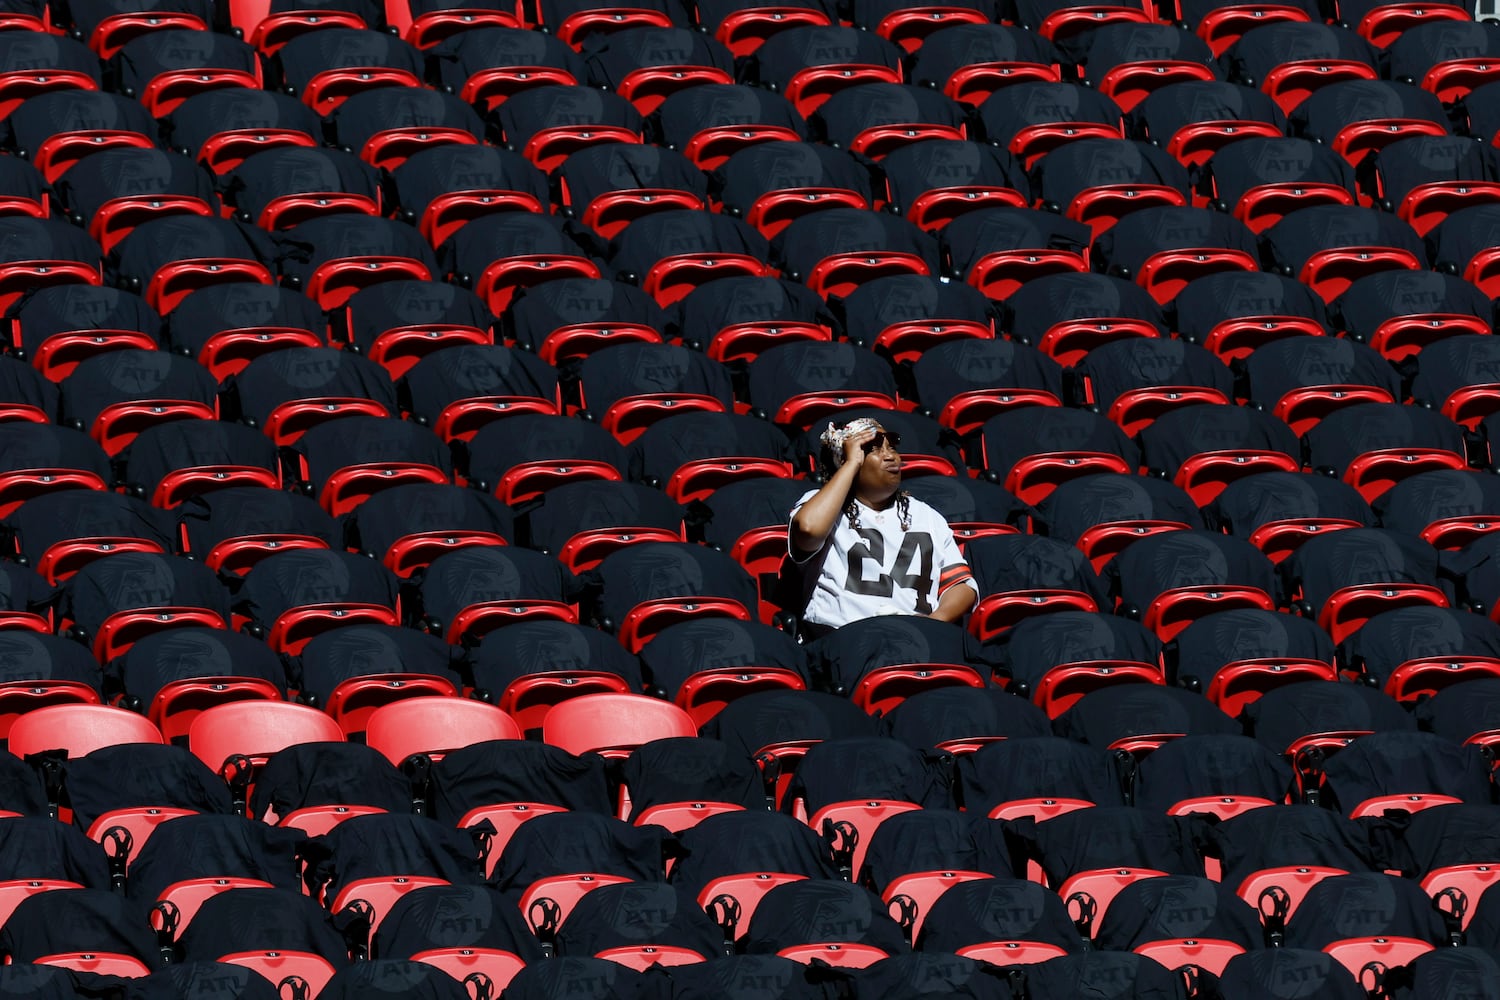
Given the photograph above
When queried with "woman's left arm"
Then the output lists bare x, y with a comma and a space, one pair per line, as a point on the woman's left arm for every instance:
955, 602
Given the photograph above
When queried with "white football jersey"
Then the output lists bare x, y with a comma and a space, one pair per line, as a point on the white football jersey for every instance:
879, 569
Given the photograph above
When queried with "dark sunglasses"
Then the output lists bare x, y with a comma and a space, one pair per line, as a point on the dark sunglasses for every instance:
882, 438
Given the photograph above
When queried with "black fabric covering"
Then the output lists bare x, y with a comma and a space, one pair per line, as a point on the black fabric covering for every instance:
586, 979
21, 787
842, 658
1452, 363
1344, 435
655, 237
971, 364
45, 311
1113, 836
305, 373
131, 580
164, 448
557, 106
22, 383
533, 438
304, 577
27, 656
359, 440
1277, 368
142, 774
154, 52
601, 169
1248, 503
365, 114
23, 589
1452, 835
1177, 906
318, 774
538, 311
91, 920
1393, 763
45, 521
393, 978
1391, 638
41, 847
948, 49
589, 505
751, 977
132, 173
997, 909
1041, 642
459, 579
869, 768
252, 510
723, 302
1107, 975
384, 844
344, 48
353, 651
471, 371
687, 648
931, 717
758, 720
1295, 835
1475, 570
538, 647
926, 840
245, 919
1461, 711
1355, 556
393, 513
1415, 502
613, 374
1025, 767
1215, 640
516, 771
690, 769
1348, 101
208, 846
810, 238
1026, 432
1364, 904
131, 376
632, 914
455, 916
1210, 764
49, 113
963, 499
670, 443
1080, 504
789, 370
754, 171
1285, 973
1131, 363
157, 242
1280, 717
996, 230
649, 571
573, 842
1161, 563
205, 114
734, 843
1451, 973
202, 981
1185, 431
814, 911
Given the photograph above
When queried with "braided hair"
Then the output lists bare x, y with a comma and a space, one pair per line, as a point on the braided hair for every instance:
903, 511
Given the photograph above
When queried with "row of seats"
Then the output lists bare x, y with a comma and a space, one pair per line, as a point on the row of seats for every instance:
948, 882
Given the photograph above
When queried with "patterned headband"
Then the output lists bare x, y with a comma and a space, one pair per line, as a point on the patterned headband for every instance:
834, 437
